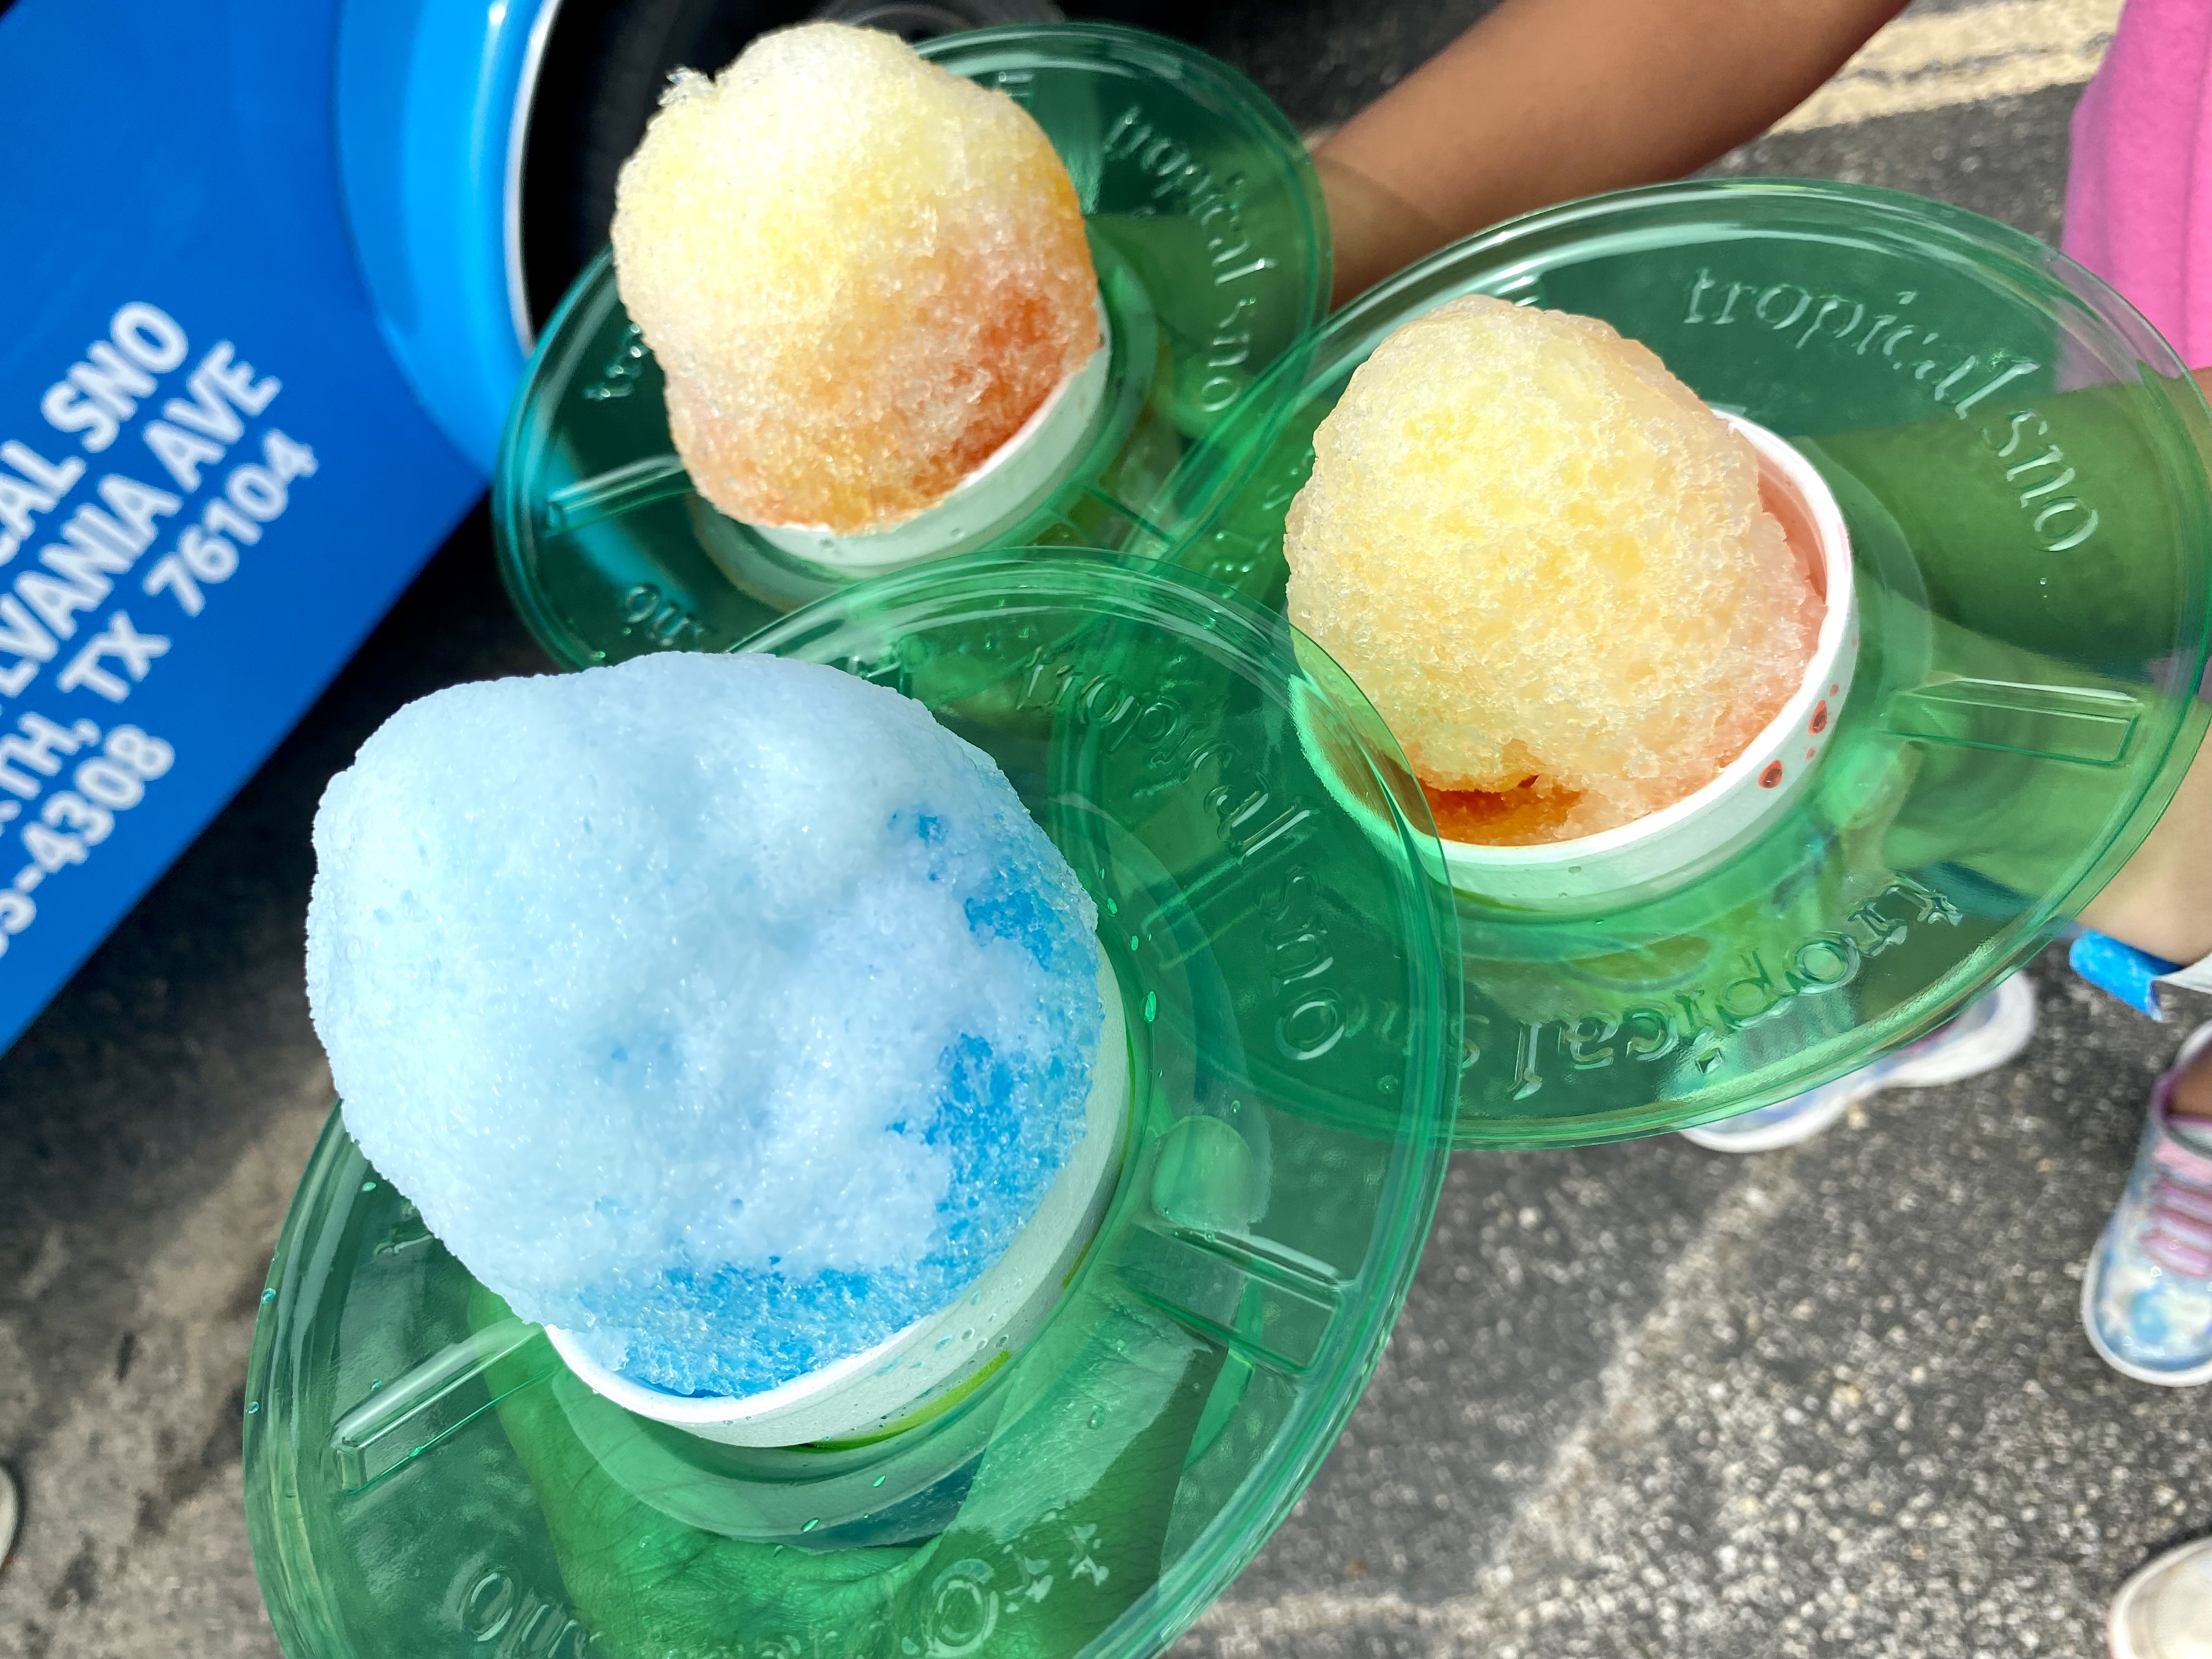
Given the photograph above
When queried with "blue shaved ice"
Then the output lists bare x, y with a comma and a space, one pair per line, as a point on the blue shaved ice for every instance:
725, 1011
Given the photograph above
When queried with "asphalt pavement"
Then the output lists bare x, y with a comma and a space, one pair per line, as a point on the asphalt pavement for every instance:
1644, 1399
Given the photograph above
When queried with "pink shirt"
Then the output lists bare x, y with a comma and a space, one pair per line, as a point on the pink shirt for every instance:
2139, 190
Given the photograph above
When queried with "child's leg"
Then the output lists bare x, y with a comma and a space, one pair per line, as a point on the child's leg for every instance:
2192, 1098
2161, 900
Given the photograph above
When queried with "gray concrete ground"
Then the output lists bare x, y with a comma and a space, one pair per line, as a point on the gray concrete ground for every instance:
1644, 1399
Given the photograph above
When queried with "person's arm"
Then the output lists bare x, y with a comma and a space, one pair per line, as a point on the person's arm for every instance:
1544, 101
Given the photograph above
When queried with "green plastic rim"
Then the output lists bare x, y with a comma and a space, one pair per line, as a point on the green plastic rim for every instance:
1211, 239
423, 1476
2021, 463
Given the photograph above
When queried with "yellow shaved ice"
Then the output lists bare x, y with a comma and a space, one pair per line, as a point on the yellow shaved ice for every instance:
1547, 564
861, 273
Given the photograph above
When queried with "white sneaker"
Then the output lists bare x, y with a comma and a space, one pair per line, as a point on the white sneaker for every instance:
2147, 1293
11, 1513
2164, 1612
1981, 1038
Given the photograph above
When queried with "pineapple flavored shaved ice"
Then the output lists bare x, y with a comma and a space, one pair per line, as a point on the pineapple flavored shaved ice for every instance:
727, 1012
861, 273
1546, 563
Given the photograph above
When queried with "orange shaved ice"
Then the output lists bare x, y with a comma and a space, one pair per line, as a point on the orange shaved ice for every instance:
1548, 565
861, 273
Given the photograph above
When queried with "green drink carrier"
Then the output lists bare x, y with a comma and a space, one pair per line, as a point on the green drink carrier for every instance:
2020, 465
424, 1475
1319, 999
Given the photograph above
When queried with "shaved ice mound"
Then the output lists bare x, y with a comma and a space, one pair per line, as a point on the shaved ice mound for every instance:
861, 273
727, 1012
1547, 564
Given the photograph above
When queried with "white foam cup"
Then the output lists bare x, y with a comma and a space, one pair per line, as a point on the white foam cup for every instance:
1634, 860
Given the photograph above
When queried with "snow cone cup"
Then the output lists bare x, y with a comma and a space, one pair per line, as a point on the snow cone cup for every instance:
1002, 491
1659, 852
2027, 565
423, 1468
1209, 243
922, 1367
